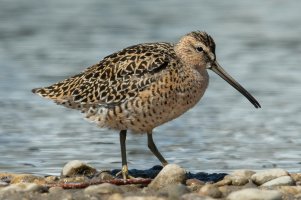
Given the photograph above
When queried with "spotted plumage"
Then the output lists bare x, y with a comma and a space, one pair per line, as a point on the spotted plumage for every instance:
143, 86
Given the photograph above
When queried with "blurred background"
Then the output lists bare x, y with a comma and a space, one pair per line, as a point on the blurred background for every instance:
258, 43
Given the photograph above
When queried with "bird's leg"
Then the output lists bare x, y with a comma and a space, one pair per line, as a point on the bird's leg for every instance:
153, 148
124, 170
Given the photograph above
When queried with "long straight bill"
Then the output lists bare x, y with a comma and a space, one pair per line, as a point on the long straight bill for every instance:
222, 73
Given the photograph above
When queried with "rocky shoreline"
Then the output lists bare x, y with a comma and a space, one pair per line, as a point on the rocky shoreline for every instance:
81, 181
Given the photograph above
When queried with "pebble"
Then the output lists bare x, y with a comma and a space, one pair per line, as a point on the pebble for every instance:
255, 194
55, 189
210, 190
293, 190
171, 174
238, 180
2, 184
26, 178
130, 188
281, 181
104, 188
194, 182
77, 168
24, 187
296, 176
225, 181
195, 196
51, 179
264, 176
243, 173
176, 191
115, 196
143, 198
105, 175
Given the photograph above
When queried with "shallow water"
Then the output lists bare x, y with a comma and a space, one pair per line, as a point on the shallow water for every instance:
258, 43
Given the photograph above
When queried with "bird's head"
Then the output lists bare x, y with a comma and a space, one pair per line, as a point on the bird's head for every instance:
197, 49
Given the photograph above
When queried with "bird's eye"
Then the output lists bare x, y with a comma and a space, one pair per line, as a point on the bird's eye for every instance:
199, 49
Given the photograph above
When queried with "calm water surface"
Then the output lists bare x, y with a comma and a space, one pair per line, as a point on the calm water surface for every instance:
258, 43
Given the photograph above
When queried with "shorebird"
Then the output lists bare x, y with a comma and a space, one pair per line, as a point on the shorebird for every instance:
143, 86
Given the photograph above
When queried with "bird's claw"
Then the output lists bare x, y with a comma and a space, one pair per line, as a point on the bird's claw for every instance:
125, 173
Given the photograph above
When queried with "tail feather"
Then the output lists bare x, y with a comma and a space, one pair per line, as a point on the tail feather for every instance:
40, 91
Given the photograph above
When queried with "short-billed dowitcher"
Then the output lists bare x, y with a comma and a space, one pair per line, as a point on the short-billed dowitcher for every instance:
143, 86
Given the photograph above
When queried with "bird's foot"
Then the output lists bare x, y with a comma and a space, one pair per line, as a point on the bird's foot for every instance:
125, 173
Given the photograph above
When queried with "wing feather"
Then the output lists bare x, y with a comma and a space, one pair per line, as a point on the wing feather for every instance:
116, 78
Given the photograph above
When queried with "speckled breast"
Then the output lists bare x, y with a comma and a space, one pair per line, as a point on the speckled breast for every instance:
161, 102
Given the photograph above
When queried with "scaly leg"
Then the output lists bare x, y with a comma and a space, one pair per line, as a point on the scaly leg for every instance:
154, 150
124, 170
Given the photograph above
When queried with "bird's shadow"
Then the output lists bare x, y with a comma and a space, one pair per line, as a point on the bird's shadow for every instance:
154, 171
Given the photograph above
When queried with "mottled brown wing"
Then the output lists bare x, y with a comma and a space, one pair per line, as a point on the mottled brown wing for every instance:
117, 77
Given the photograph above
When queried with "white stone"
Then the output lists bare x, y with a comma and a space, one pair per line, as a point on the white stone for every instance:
195, 196
115, 196
210, 190
237, 180
104, 188
281, 181
255, 194
264, 176
2, 184
170, 174
243, 173
77, 167
143, 198
24, 187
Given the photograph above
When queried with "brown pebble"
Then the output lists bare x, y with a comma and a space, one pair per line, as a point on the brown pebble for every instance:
225, 181
26, 178
239, 180
296, 177
51, 179
55, 189
77, 179
105, 176
115, 196
293, 190
194, 182
243, 173
227, 189
210, 190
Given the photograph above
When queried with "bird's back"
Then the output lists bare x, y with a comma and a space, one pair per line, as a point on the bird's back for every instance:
116, 78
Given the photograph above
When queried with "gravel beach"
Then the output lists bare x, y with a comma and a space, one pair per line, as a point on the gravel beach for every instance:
79, 180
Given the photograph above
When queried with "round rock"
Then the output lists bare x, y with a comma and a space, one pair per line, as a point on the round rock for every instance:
3, 184
243, 173
264, 176
24, 187
281, 181
25, 178
290, 190
195, 196
255, 194
210, 190
176, 191
115, 196
194, 182
104, 188
170, 175
238, 180
77, 168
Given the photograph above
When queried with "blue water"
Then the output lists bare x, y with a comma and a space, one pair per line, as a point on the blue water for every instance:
258, 43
